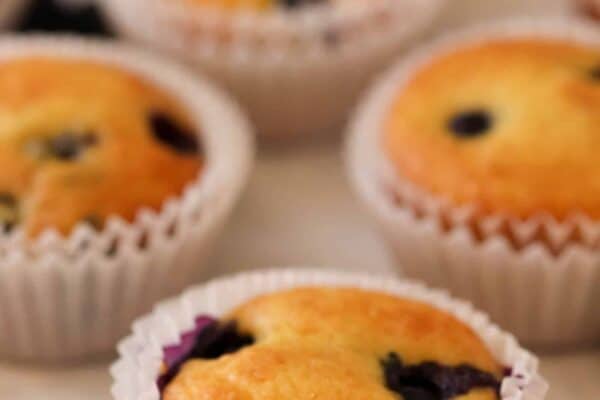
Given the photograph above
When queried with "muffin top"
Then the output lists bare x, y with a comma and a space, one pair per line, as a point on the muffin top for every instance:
510, 126
82, 141
336, 344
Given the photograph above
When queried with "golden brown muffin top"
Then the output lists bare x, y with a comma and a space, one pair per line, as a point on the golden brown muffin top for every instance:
331, 344
83, 141
510, 126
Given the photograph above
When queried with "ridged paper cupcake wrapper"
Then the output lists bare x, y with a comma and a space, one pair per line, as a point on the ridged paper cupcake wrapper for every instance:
69, 297
10, 10
298, 73
141, 355
481, 11
537, 278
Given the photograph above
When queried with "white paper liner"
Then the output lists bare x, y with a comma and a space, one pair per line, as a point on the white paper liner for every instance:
141, 354
535, 277
463, 11
10, 11
282, 65
66, 297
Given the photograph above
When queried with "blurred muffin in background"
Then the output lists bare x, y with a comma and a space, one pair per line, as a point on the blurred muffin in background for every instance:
75, 131
461, 13
477, 156
118, 171
297, 66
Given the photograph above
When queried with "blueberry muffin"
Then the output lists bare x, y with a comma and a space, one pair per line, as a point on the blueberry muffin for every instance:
476, 155
509, 126
297, 66
318, 343
82, 142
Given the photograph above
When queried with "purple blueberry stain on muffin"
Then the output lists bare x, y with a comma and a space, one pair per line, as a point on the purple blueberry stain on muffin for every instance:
210, 339
433, 381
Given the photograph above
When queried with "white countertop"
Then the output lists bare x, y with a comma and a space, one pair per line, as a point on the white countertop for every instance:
298, 211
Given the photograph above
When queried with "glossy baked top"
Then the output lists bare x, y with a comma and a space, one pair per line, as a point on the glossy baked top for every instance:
510, 125
81, 141
336, 344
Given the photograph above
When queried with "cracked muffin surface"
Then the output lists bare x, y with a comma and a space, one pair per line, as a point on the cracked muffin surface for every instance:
81, 141
502, 125
319, 343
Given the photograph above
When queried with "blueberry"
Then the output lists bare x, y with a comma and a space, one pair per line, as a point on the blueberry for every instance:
471, 123
594, 73
210, 340
217, 340
168, 132
298, 3
416, 393
432, 381
68, 146
7, 199
9, 212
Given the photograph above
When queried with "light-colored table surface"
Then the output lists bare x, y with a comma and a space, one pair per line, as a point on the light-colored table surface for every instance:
298, 211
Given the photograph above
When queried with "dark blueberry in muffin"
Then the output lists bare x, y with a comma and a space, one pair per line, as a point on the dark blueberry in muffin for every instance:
170, 133
471, 123
217, 340
210, 340
69, 146
594, 73
298, 3
47, 15
9, 212
432, 381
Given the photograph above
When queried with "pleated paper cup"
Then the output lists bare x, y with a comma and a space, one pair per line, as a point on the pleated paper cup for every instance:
141, 355
65, 298
538, 277
297, 72
10, 11
460, 12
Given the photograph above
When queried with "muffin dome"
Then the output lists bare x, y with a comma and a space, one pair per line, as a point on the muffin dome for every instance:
82, 141
510, 126
316, 343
